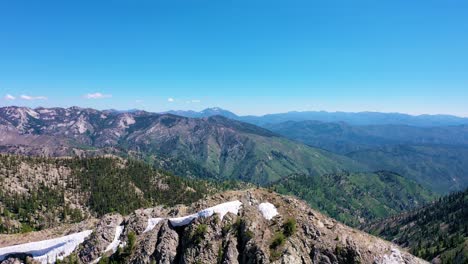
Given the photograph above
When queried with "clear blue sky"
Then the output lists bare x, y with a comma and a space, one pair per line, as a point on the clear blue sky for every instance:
251, 57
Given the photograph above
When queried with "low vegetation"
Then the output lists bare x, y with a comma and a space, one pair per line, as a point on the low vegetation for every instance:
438, 230
289, 227
199, 233
356, 198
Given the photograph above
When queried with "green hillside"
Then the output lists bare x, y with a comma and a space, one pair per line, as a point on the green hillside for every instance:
438, 231
440, 168
356, 198
224, 149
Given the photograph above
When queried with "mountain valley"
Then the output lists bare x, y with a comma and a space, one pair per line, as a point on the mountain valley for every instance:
105, 177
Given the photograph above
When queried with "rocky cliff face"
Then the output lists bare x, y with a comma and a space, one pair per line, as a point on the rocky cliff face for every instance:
253, 226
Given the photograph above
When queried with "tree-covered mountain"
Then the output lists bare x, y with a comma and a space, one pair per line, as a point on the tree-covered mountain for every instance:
344, 138
218, 147
441, 168
356, 198
40, 192
433, 156
437, 232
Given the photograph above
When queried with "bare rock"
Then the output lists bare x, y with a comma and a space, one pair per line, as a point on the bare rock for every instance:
95, 246
166, 248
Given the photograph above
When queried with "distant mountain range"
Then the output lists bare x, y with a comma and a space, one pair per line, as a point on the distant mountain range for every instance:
204, 113
430, 149
216, 147
357, 118
213, 147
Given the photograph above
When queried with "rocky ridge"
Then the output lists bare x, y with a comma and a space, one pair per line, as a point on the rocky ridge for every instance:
285, 230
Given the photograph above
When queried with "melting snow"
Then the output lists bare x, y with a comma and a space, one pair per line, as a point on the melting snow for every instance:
394, 258
221, 209
48, 251
268, 210
46, 111
152, 222
115, 243
96, 260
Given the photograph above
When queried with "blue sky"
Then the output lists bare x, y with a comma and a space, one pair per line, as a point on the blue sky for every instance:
252, 57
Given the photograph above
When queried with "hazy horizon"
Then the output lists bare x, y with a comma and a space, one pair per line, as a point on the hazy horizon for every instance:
226, 109
251, 57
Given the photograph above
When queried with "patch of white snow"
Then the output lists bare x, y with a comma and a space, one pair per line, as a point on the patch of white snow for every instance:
46, 111
115, 243
268, 210
96, 260
48, 251
152, 222
394, 258
221, 209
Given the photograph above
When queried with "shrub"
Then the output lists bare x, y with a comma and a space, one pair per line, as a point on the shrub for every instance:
289, 227
278, 240
249, 234
226, 228
199, 233
131, 241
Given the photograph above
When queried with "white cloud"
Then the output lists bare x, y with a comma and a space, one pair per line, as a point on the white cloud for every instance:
195, 101
170, 99
97, 96
32, 98
9, 97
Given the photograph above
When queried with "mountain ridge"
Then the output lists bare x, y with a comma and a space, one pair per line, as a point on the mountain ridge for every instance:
252, 226
216, 145
353, 118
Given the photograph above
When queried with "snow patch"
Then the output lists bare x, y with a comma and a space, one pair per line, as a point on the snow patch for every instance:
394, 258
221, 209
152, 222
96, 260
115, 243
268, 210
46, 111
48, 251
